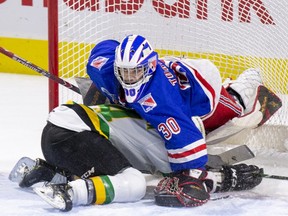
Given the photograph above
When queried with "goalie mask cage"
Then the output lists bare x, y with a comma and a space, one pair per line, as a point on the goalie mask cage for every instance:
234, 34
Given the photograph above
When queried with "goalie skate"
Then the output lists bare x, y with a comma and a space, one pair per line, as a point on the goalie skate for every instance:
269, 101
23, 166
265, 101
56, 195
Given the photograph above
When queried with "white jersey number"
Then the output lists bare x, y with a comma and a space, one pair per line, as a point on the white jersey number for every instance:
169, 128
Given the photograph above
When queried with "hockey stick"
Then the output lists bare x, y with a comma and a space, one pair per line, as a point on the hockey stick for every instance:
236, 155
39, 70
92, 96
230, 157
275, 177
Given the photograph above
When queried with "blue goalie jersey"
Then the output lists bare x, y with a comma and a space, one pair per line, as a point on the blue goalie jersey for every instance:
178, 91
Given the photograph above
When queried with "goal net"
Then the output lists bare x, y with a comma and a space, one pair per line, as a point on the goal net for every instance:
234, 34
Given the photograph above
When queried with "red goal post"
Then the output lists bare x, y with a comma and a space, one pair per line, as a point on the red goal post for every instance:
234, 35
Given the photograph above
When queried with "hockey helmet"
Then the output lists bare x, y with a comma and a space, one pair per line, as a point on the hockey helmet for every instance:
135, 62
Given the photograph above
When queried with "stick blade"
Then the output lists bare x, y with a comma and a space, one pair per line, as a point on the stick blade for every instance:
236, 155
230, 157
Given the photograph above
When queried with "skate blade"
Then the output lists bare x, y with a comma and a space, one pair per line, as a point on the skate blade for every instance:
24, 165
54, 200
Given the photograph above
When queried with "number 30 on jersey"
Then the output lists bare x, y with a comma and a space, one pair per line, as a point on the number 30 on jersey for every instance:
169, 128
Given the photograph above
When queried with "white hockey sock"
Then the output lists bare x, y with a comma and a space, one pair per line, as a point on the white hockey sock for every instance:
79, 193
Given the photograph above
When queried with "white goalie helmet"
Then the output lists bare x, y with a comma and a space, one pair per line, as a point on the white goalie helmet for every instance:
135, 62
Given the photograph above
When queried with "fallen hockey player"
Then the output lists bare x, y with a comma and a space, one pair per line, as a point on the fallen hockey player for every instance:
97, 155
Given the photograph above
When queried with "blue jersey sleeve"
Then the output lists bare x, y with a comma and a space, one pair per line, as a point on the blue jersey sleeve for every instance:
170, 110
100, 68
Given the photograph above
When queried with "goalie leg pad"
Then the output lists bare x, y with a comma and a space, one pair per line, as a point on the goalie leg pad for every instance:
181, 191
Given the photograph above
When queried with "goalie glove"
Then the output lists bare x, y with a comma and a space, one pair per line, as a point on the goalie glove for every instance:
180, 190
192, 188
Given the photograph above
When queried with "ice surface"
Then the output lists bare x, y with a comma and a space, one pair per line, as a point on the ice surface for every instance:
24, 108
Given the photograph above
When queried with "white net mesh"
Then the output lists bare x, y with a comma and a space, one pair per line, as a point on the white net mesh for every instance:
234, 34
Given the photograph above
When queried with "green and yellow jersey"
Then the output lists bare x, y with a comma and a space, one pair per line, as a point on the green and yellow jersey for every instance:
131, 135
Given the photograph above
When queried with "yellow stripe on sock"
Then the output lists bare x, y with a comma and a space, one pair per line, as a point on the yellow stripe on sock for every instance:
99, 190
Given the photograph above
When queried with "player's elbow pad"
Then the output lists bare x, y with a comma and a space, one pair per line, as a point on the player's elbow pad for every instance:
129, 185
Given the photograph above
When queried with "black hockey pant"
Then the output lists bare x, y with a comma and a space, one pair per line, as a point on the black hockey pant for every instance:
84, 154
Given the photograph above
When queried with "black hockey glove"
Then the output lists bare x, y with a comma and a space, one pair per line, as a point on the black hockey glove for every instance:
181, 190
240, 177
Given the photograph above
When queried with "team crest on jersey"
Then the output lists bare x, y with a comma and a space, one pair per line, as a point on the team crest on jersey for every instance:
99, 62
147, 103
